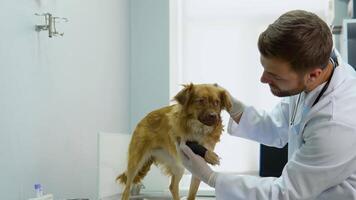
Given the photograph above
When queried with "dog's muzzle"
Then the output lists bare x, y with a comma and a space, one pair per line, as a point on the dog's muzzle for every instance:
209, 119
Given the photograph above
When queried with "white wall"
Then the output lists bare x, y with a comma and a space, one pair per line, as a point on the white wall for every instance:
56, 94
217, 43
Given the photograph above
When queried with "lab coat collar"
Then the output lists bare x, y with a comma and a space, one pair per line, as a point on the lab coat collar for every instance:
335, 81
311, 96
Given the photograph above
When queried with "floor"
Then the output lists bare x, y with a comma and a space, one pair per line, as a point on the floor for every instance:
156, 197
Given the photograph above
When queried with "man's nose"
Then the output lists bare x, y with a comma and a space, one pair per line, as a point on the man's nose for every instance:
264, 78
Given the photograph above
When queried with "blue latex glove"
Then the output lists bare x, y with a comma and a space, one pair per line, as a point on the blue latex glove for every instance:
197, 165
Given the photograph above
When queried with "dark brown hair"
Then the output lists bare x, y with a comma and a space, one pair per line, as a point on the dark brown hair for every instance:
298, 37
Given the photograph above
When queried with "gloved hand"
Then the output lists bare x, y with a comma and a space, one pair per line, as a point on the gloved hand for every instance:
237, 108
197, 166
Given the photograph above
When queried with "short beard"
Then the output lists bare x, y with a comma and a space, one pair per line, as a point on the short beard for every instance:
280, 93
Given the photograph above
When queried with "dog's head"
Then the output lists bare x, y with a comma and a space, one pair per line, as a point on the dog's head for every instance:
204, 102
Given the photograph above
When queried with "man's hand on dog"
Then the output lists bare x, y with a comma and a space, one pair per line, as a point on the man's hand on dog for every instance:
209, 156
197, 165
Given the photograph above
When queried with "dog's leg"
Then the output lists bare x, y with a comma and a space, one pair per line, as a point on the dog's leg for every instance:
195, 182
130, 175
126, 193
174, 186
134, 165
193, 189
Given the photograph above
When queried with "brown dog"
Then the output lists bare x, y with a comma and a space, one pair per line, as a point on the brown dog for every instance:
156, 138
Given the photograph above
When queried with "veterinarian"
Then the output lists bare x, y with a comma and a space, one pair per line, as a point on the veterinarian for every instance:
316, 117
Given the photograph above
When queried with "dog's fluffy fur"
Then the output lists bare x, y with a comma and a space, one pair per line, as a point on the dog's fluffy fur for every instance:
196, 117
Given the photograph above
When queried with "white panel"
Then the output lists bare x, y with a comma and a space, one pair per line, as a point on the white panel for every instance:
112, 158
249, 9
112, 161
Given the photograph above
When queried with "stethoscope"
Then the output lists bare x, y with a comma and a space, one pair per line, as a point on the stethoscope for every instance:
335, 63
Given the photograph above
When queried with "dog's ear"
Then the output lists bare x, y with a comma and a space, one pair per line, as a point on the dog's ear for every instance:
183, 96
225, 99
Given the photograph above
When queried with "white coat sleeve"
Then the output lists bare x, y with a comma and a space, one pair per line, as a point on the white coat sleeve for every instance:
326, 159
267, 128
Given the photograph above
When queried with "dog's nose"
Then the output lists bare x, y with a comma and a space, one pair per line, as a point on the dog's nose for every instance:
212, 116
209, 119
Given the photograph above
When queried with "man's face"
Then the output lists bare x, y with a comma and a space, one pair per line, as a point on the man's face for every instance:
282, 80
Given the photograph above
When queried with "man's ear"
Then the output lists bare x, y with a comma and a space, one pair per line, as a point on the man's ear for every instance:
314, 75
225, 99
183, 96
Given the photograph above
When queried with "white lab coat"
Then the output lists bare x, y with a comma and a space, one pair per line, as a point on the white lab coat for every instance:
322, 145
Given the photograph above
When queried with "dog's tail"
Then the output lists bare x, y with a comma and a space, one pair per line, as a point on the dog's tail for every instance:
122, 178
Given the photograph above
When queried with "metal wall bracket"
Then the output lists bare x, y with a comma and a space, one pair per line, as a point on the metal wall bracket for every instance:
50, 24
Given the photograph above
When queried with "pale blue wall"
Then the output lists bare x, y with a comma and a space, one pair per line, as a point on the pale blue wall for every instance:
149, 74
57, 93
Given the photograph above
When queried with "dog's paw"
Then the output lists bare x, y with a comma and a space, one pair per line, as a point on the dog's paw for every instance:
212, 158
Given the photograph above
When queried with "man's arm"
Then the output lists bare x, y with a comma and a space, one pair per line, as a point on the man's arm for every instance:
326, 159
269, 128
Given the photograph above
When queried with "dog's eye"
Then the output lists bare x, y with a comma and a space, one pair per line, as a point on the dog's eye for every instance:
200, 101
216, 103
